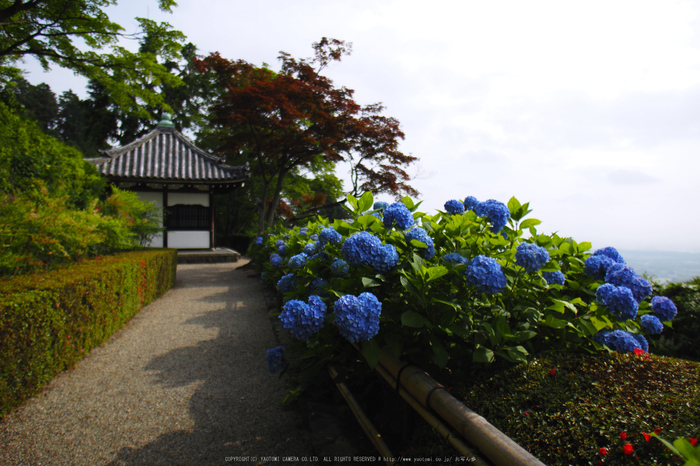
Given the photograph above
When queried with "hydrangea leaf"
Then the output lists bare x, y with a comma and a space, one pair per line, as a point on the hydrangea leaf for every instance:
436, 272
530, 222
560, 306
352, 200
418, 244
551, 266
502, 328
599, 324
589, 327
517, 353
368, 282
413, 319
371, 352
441, 357
483, 354
551, 321
366, 201
513, 205
408, 286
408, 202
584, 246
523, 335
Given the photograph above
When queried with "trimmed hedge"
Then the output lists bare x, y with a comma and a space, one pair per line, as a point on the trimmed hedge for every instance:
49, 321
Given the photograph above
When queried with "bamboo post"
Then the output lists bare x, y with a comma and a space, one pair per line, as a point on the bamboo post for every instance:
432, 420
362, 419
493, 443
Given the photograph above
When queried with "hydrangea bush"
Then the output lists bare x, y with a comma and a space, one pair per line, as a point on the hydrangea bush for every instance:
473, 283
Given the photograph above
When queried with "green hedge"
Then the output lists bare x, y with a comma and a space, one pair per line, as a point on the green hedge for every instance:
49, 321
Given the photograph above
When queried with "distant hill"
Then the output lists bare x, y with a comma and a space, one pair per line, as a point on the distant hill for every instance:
664, 266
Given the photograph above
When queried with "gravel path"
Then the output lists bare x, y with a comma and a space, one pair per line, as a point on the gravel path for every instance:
184, 382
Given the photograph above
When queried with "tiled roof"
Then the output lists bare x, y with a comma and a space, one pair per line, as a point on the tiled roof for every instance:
164, 154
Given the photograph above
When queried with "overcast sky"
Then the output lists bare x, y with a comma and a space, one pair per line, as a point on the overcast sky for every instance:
589, 110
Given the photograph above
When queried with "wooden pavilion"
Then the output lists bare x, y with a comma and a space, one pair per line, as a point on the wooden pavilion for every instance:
166, 168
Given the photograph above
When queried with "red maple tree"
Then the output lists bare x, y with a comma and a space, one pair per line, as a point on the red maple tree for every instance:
288, 119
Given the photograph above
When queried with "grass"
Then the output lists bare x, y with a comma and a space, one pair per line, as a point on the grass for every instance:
563, 408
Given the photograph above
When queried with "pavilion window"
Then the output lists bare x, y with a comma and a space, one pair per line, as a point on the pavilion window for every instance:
188, 217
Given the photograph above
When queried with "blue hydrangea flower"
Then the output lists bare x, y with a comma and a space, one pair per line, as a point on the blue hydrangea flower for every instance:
363, 248
611, 253
317, 285
387, 258
287, 283
497, 213
275, 360
379, 205
454, 207
619, 300
298, 261
329, 235
419, 234
621, 275
359, 248
282, 250
486, 274
604, 291
275, 260
319, 255
531, 257
259, 240
455, 258
339, 268
397, 213
279, 242
304, 231
597, 266
314, 237
618, 340
310, 249
664, 308
651, 324
554, 278
471, 202
643, 343
357, 318
301, 319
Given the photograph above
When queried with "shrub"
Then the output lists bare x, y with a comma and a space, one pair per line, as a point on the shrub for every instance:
682, 339
459, 286
39, 231
48, 321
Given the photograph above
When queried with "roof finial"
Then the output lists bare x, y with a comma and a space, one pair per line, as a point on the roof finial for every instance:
166, 124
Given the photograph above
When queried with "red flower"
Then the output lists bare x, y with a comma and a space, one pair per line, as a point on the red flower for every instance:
628, 449
639, 351
527, 414
623, 435
693, 441
603, 451
552, 371
646, 436
657, 430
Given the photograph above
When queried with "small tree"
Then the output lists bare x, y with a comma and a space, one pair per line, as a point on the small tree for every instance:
287, 120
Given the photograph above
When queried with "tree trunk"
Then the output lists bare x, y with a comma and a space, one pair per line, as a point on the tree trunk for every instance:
261, 208
276, 198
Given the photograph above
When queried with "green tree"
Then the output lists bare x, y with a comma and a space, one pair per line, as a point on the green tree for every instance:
36, 103
48, 30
